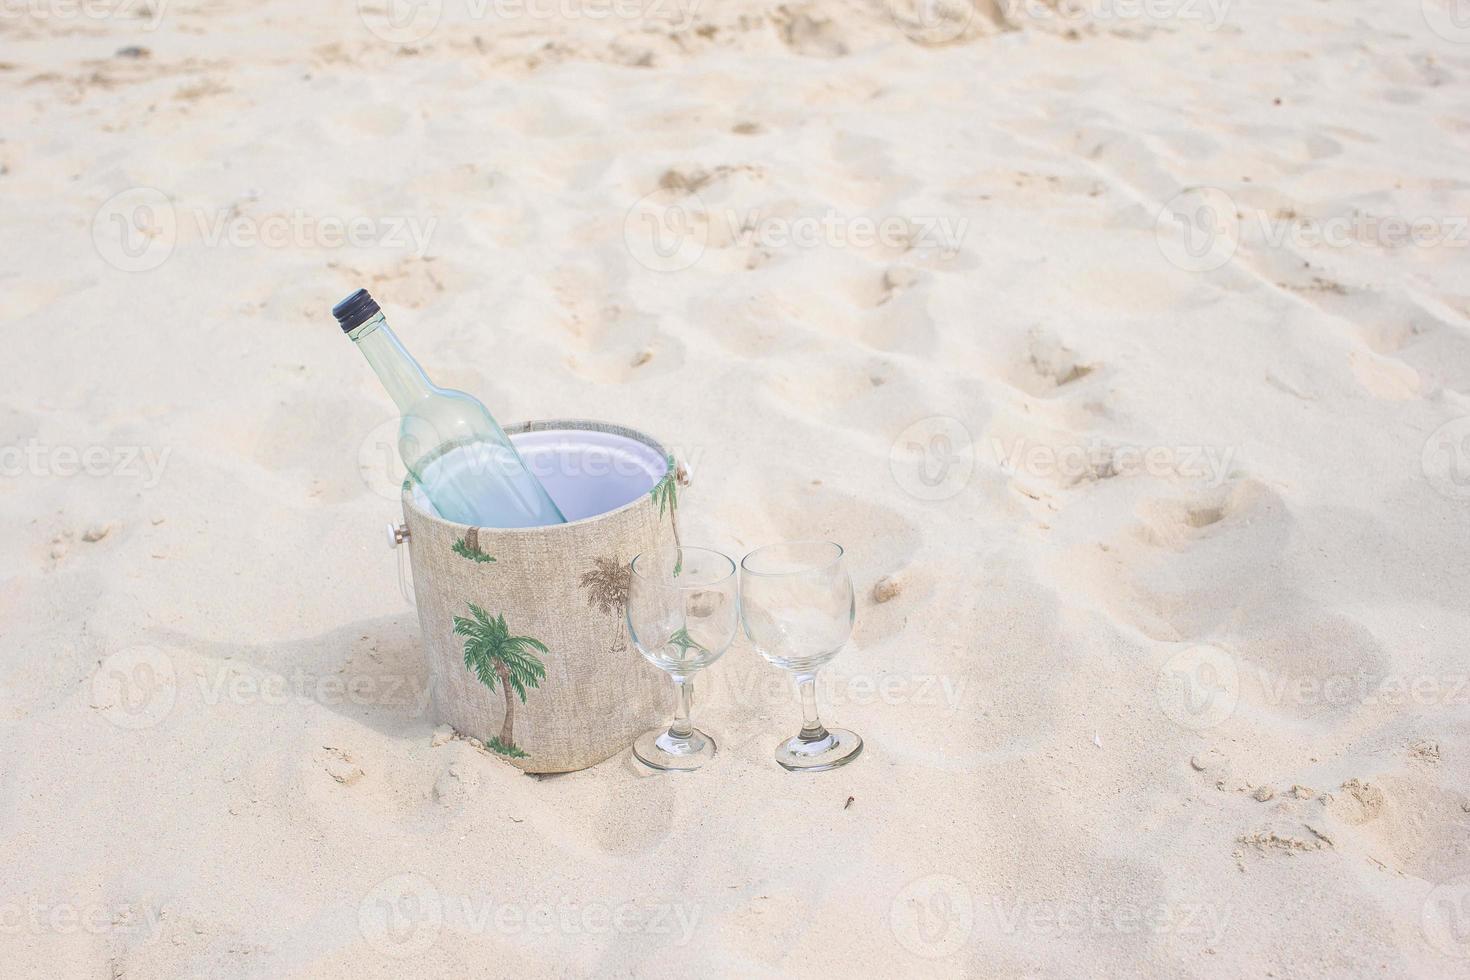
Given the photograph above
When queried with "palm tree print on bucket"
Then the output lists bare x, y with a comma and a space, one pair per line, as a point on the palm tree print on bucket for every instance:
665, 493
607, 592
497, 657
685, 642
469, 546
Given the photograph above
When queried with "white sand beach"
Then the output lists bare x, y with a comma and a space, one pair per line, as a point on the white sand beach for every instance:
1127, 352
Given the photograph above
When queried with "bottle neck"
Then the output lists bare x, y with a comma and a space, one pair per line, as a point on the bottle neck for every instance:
395, 367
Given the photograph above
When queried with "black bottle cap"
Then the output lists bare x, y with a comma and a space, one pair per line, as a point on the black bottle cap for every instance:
353, 310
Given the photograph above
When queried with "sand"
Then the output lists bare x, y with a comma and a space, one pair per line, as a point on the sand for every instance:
1129, 356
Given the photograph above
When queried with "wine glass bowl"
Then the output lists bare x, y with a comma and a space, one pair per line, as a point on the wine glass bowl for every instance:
681, 623
798, 609
798, 603
682, 615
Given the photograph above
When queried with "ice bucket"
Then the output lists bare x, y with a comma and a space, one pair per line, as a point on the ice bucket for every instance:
523, 627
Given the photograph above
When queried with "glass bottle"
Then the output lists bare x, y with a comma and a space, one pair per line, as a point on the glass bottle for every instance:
451, 444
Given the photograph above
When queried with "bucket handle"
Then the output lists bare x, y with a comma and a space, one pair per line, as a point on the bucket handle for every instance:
397, 534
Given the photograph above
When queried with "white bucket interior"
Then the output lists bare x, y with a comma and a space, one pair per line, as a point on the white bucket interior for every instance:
586, 472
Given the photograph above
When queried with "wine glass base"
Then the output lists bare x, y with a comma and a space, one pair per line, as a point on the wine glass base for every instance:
838, 748
661, 749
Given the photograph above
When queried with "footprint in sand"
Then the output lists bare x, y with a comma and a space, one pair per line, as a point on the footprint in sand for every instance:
1046, 366
1175, 572
606, 338
456, 783
1305, 665
836, 389
1404, 821
902, 325
808, 33
1419, 340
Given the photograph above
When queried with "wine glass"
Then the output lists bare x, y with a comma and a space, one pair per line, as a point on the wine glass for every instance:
682, 615
797, 605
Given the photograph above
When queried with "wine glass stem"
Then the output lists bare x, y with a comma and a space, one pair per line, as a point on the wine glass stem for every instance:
684, 695
812, 728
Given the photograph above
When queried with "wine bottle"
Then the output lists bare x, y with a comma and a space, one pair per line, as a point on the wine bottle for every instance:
450, 443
